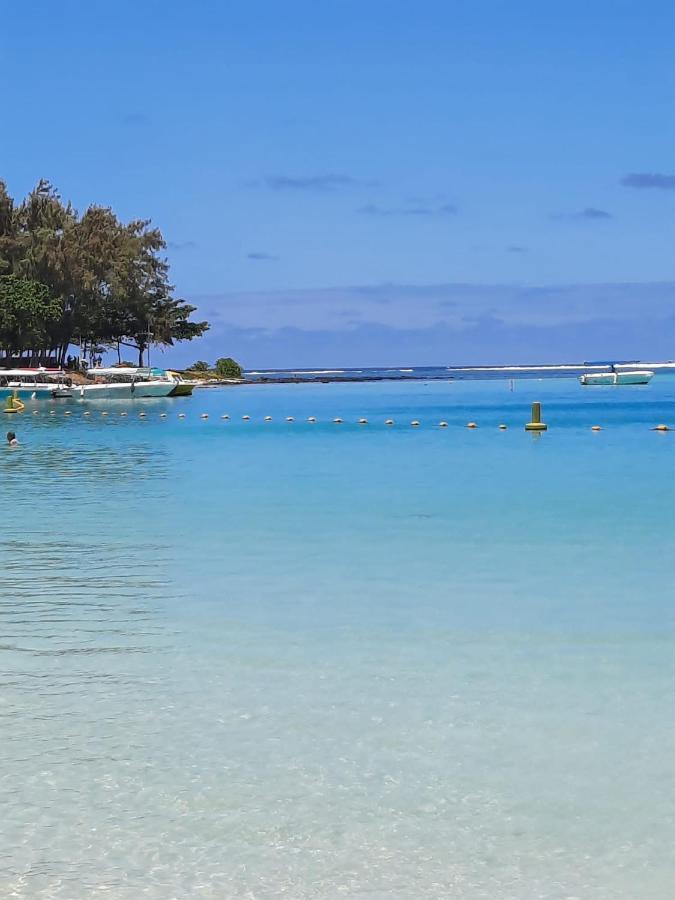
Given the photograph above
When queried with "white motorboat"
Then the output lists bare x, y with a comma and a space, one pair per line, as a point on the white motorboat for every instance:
125, 383
182, 387
643, 376
40, 383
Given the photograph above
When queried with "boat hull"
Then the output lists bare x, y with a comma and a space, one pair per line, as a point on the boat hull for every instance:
26, 391
615, 378
182, 390
136, 391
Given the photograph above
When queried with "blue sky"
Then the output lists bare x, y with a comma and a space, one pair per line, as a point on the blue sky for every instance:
353, 182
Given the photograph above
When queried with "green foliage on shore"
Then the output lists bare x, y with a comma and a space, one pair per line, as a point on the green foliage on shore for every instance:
225, 367
88, 279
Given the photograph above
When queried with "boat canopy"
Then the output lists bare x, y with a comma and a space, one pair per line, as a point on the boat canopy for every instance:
30, 373
126, 372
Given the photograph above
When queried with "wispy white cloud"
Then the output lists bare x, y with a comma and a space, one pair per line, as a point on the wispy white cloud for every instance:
259, 256
329, 181
649, 181
420, 210
588, 214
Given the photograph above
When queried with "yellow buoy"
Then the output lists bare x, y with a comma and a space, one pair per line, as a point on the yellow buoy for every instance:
442, 424
536, 424
14, 405
471, 425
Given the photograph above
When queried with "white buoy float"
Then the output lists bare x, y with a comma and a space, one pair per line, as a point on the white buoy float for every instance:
442, 424
471, 425
268, 418
415, 423
502, 427
363, 421
181, 415
225, 417
311, 419
290, 419
337, 421
246, 418
204, 416
388, 421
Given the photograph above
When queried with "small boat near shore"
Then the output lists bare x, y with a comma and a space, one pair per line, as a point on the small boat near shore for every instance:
183, 387
125, 383
39, 383
62, 392
643, 376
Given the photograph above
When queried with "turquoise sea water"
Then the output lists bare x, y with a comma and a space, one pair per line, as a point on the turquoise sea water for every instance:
270, 659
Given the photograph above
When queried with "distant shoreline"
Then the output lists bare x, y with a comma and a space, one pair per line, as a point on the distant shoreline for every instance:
438, 373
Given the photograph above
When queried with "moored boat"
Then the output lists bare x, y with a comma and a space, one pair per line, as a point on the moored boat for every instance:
27, 383
642, 376
125, 383
182, 386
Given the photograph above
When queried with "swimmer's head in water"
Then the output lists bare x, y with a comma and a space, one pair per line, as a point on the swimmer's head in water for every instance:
11, 437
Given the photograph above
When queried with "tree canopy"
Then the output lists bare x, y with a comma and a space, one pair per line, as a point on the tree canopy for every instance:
226, 367
88, 279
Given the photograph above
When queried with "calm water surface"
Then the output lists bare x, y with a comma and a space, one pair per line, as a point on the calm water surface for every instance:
257, 660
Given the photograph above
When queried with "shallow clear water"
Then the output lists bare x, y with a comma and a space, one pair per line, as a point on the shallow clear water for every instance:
251, 660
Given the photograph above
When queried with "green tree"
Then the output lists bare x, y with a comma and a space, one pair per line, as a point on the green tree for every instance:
200, 366
226, 367
27, 311
111, 277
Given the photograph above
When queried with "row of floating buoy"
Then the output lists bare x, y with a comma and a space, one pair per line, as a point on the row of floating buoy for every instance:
415, 423
535, 425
